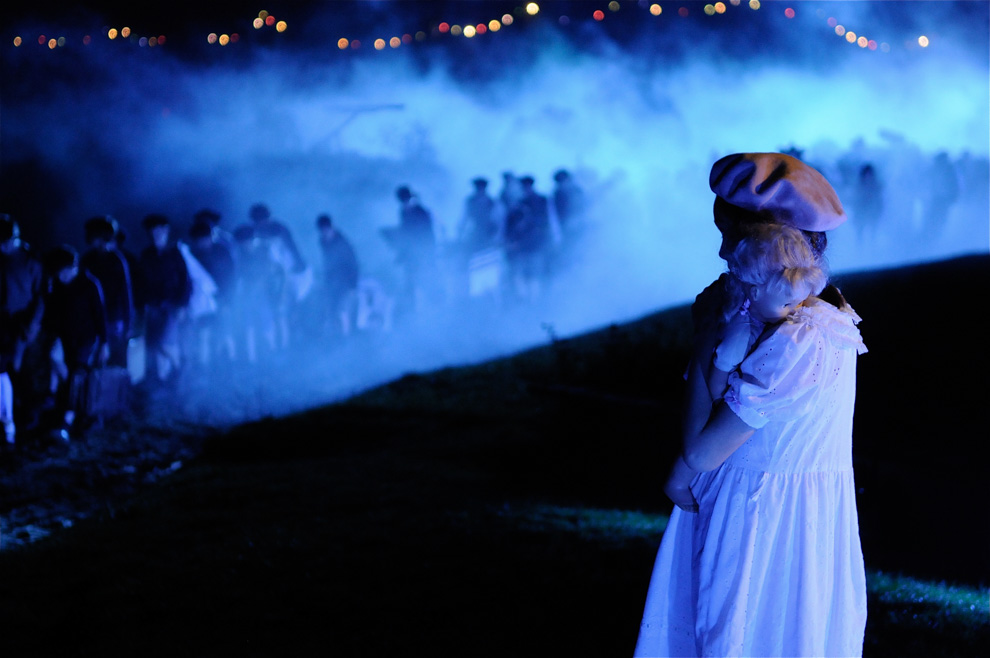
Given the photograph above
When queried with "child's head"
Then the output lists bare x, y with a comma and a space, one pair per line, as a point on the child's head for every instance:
775, 268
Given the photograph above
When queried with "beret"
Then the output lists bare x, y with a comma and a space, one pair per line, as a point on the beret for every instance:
779, 188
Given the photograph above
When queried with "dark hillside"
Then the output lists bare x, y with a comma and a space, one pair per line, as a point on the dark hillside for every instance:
508, 508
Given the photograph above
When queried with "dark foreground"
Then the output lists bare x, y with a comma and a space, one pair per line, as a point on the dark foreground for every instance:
511, 508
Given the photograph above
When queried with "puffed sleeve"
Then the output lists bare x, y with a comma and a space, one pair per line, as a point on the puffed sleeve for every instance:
778, 380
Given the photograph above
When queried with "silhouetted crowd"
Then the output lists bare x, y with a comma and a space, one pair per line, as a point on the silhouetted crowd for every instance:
83, 332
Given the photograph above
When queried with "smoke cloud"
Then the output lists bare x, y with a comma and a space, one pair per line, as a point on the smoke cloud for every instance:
637, 107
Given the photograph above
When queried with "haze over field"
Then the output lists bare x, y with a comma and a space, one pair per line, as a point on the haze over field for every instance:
637, 106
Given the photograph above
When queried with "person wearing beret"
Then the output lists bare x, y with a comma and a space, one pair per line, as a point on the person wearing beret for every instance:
762, 555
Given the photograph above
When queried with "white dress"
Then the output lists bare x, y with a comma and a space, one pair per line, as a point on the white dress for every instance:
772, 564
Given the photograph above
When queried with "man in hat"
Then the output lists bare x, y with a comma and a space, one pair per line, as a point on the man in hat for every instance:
105, 262
416, 247
528, 240
21, 309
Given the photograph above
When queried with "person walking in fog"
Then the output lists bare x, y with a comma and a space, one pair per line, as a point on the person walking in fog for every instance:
415, 245
110, 268
527, 241
167, 289
762, 555
340, 277
212, 332
292, 278
75, 326
21, 310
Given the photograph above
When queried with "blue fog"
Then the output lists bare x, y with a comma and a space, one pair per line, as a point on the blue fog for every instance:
636, 107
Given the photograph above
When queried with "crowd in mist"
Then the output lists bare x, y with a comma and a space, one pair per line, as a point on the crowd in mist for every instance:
208, 299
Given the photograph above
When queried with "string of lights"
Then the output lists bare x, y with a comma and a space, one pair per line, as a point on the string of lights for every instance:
475, 29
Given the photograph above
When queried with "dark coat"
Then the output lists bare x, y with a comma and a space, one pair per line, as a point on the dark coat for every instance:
166, 277
21, 304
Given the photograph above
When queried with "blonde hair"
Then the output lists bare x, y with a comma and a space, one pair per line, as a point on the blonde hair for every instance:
775, 257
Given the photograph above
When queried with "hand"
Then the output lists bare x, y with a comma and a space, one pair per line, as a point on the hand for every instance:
734, 344
682, 497
678, 486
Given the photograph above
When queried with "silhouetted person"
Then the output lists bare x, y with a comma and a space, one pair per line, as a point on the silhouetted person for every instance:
167, 291
213, 331
21, 309
110, 268
289, 269
416, 247
75, 323
867, 201
479, 226
253, 306
527, 241
941, 194
340, 276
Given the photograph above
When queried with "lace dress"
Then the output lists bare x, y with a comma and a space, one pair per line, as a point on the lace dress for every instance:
772, 564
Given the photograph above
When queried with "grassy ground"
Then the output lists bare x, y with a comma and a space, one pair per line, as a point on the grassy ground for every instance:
510, 508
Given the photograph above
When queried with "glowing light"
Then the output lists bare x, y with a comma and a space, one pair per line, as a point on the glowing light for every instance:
754, 4
532, 8
379, 44
342, 43
710, 10
258, 23
851, 37
872, 45
832, 22
481, 28
456, 30
143, 41
862, 42
444, 28
263, 14
234, 38
469, 31
17, 42
224, 39
269, 20
507, 19
683, 12
161, 39
281, 26
211, 38
395, 42
494, 26
52, 43
42, 39
407, 38
789, 12
153, 41
125, 32
61, 41
112, 33
735, 3
719, 7
613, 6
923, 41
656, 10
840, 30
599, 15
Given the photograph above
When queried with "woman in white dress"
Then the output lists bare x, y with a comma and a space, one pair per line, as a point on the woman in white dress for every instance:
762, 556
